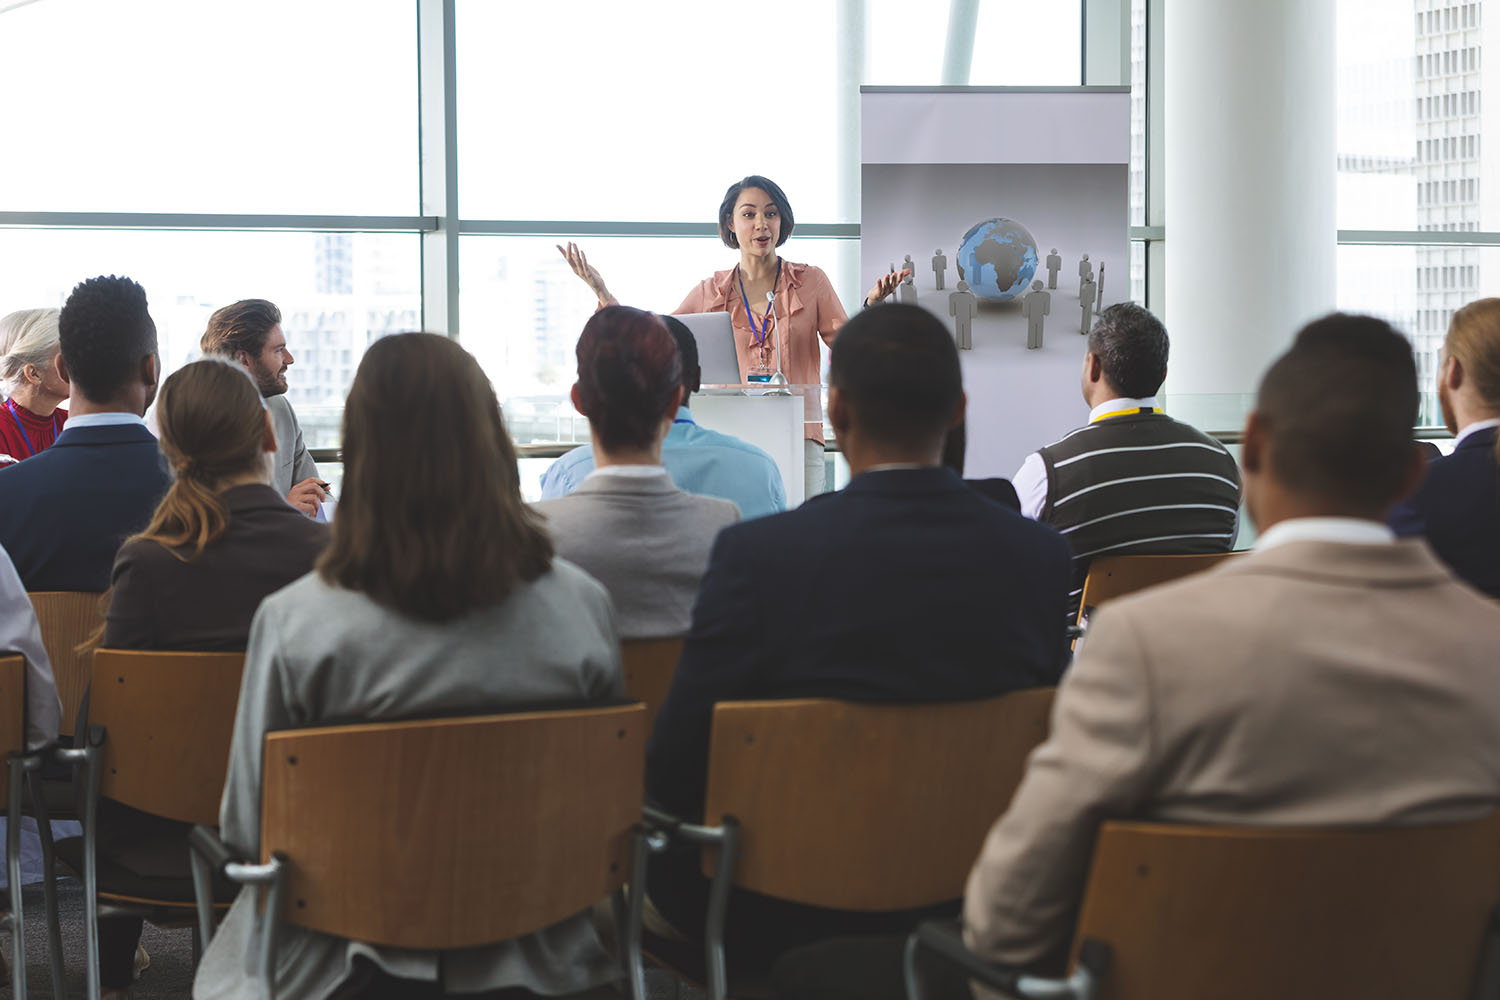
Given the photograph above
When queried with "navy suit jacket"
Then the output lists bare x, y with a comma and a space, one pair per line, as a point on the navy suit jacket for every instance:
64, 511
908, 586
1457, 506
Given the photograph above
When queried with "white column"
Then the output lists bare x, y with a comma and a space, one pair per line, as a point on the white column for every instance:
1249, 201
437, 108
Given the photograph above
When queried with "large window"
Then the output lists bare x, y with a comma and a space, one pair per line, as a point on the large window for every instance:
186, 106
1419, 184
183, 144
300, 151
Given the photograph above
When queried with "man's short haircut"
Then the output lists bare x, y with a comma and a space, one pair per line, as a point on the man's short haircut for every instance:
104, 331
1131, 345
240, 326
897, 369
732, 197
629, 371
687, 348
1339, 408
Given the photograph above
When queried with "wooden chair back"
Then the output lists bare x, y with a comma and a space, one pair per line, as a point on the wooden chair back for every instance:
649, 666
12, 714
1115, 576
168, 719
453, 833
1235, 913
68, 618
866, 807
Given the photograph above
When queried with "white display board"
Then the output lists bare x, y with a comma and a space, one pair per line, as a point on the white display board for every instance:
773, 423
938, 164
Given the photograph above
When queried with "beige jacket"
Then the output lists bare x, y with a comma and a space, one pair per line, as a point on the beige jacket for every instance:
1314, 683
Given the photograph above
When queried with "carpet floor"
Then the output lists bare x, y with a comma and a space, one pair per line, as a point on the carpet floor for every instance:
171, 971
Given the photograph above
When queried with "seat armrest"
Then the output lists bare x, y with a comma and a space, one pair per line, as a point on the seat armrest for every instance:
206, 843
662, 827
944, 939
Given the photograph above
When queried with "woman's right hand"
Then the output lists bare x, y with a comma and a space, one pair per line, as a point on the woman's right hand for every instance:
574, 255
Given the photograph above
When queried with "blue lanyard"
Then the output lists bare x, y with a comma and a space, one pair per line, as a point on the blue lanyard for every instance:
20, 427
761, 333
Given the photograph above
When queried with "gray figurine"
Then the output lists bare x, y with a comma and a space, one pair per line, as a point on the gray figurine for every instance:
1085, 273
1086, 300
1054, 264
939, 267
962, 304
1099, 302
907, 265
1036, 305
907, 290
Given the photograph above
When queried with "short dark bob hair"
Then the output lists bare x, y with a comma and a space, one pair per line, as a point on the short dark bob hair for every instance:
732, 196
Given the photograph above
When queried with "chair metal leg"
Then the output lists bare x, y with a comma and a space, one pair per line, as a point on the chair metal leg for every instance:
90, 872
627, 905
13, 873
909, 969
203, 930
49, 881
270, 921
718, 907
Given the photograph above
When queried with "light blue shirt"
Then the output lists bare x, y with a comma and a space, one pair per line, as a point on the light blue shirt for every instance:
700, 461
109, 418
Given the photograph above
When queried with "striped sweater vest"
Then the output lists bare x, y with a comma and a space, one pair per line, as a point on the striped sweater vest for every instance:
1142, 483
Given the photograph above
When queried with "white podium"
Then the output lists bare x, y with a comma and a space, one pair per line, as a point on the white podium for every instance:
773, 423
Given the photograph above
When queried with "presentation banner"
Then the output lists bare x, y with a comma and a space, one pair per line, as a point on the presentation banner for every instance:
984, 193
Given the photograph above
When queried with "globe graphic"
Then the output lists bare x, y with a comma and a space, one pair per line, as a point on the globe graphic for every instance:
997, 258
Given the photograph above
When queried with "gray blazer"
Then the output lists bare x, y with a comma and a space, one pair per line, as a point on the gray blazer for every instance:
291, 464
1311, 684
320, 653
643, 538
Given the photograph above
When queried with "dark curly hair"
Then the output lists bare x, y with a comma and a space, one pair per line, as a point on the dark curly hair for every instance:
1131, 345
104, 332
629, 371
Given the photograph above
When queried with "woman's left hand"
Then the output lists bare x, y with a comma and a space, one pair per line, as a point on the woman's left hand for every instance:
885, 285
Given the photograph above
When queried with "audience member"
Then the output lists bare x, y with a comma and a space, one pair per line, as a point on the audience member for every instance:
1133, 480
68, 508
955, 445
426, 602
1370, 701
699, 460
220, 541
1457, 506
906, 586
28, 370
249, 332
20, 633
627, 524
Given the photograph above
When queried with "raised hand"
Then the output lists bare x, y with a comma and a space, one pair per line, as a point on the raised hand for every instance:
885, 285
576, 259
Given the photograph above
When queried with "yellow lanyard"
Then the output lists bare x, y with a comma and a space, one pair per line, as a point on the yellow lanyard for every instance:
1126, 413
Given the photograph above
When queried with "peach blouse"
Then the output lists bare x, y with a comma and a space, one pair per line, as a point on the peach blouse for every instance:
806, 308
